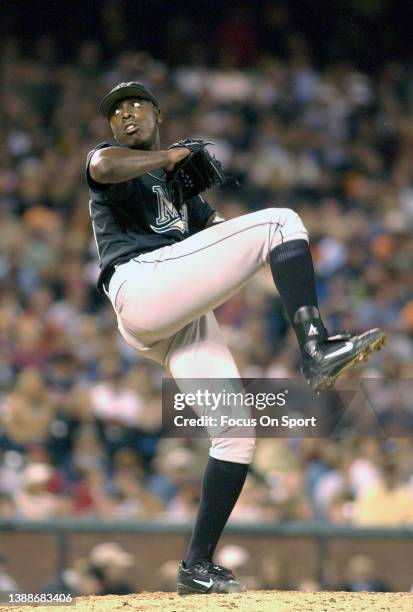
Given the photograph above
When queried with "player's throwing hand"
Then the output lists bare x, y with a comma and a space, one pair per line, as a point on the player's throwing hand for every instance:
176, 155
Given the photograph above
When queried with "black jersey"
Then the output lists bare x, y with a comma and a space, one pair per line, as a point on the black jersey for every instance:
136, 217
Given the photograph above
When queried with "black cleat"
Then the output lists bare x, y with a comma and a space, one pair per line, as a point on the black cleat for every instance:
205, 577
337, 354
325, 357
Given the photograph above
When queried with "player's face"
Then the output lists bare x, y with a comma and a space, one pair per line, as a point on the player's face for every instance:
134, 122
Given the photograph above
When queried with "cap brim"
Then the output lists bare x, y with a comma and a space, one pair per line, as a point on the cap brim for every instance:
108, 102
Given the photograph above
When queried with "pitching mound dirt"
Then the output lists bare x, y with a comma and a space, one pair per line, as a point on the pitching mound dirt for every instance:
252, 601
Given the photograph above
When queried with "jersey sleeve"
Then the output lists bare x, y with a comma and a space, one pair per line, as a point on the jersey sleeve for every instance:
199, 211
105, 193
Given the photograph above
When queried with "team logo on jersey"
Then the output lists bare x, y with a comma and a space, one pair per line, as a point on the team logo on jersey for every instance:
168, 217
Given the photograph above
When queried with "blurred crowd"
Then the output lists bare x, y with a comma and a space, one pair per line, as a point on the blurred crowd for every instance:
80, 412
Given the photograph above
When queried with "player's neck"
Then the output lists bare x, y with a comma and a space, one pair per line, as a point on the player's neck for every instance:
140, 147
153, 146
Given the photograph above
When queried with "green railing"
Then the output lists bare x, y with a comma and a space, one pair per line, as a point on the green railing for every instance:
319, 531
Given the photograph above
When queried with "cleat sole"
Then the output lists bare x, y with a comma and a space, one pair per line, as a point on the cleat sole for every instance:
363, 356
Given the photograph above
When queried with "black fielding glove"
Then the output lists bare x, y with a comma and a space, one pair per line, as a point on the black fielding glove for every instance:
195, 173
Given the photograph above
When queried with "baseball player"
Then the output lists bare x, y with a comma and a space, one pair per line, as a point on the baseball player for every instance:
165, 268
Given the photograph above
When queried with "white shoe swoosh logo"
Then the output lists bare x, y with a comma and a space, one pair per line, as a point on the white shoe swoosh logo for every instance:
344, 349
206, 584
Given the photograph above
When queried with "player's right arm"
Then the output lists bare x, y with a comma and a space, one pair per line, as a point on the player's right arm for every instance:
113, 165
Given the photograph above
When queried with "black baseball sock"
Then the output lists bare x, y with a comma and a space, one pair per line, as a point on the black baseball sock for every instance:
221, 486
293, 273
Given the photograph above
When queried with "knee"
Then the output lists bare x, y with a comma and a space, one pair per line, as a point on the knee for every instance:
287, 218
287, 225
282, 218
236, 450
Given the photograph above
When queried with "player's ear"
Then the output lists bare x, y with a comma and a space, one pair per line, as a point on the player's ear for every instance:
159, 117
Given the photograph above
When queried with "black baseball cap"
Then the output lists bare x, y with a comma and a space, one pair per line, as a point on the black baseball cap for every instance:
133, 89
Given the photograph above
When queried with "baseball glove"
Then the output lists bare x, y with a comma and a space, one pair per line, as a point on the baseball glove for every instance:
197, 172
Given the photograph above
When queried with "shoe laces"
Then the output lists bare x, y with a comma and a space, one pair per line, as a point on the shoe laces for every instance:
213, 568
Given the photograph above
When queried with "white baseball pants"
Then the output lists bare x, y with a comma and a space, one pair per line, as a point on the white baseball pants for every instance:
164, 301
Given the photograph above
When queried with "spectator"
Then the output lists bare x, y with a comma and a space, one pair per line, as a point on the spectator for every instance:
28, 409
110, 562
111, 400
34, 501
79, 579
388, 502
7, 509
